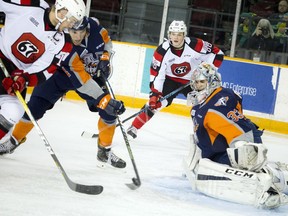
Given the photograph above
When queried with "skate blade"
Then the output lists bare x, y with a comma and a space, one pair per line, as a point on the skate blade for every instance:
107, 166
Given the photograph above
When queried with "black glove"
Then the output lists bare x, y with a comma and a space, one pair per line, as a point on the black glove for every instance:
111, 106
115, 107
104, 68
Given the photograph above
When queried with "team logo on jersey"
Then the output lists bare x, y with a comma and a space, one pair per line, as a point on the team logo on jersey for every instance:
28, 48
222, 101
181, 70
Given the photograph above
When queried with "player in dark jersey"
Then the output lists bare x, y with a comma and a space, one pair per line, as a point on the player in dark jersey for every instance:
227, 159
65, 79
171, 67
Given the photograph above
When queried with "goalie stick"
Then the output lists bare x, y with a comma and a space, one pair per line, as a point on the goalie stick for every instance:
87, 134
87, 189
136, 181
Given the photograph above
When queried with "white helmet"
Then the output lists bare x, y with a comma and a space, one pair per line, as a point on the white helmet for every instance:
204, 71
177, 26
75, 8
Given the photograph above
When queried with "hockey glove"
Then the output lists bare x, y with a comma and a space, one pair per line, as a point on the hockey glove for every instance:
17, 82
154, 100
103, 66
111, 106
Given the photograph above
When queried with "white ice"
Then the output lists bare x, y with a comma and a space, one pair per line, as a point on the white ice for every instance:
31, 184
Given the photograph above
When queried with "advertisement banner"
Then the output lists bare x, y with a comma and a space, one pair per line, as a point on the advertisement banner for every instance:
256, 83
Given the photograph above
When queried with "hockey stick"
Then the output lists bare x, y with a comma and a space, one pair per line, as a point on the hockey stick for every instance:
136, 181
87, 134
87, 189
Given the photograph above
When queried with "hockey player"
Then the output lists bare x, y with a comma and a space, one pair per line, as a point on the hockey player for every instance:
226, 160
171, 67
94, 46
32, 50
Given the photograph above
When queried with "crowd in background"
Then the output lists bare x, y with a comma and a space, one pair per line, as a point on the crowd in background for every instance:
264, 27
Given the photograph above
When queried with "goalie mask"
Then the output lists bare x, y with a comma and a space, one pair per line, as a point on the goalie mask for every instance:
205, 79
75, 8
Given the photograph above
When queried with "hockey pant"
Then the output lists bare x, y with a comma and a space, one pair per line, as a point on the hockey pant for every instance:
10, 113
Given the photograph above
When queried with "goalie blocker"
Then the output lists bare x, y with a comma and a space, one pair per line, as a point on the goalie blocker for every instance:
264, 189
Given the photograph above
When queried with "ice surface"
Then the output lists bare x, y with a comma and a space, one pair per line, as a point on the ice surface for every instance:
31, 184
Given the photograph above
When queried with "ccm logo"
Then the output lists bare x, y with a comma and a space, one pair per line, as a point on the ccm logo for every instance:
239, 173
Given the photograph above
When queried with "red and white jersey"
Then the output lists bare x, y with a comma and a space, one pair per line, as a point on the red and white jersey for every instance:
168, 63
26, 38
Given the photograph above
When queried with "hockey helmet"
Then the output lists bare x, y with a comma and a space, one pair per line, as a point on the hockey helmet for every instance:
83, 25
177, 26
75, 8
204, 72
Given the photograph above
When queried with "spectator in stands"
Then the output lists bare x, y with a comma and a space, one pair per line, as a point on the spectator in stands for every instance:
246, 27
279, 20
263, 38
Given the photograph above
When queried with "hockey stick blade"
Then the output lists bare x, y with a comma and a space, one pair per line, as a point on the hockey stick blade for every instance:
87, 189
87, 134
135, 185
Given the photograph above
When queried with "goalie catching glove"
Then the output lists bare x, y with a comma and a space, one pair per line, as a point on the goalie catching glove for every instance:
111, 106
17, 81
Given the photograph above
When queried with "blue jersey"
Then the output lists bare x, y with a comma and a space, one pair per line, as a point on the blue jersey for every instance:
46, 95
217, 121
95, 44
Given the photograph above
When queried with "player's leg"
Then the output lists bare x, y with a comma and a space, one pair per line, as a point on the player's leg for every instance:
106, 127
10, 113
236, 185
42, 99
140, 120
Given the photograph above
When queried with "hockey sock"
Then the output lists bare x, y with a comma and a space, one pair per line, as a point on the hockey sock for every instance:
142, 118
106, 133
22, 128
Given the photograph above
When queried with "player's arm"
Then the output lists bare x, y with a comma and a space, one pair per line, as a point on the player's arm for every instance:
36, 3
157, 77
84, 83
243, 152
207, 51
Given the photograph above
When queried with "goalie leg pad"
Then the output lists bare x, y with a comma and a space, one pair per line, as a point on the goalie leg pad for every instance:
235, 185
191, 161
279, 173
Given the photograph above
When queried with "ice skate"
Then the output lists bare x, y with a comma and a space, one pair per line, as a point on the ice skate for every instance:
9, 146
105, 155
